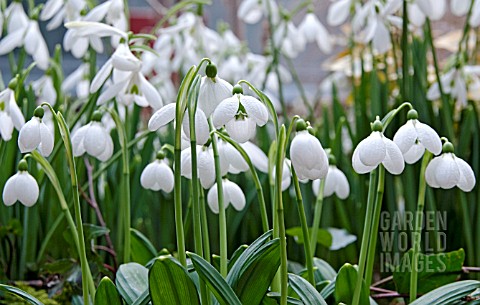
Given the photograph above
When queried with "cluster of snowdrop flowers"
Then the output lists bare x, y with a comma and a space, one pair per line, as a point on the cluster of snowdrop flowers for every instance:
335, 182
36, 135
23, 31
447, 171
21, 187
377, 149
10, 114
461, 7
93, 139
158, 175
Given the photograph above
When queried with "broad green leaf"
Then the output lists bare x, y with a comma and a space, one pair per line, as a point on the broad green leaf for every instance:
142, 250
328, 290
307, 293
131, 281
20, 293
236, 255
214, 281
345, 286
434, 270
324, 237
253, 272
143, 299
276, 296
107, 293
448, 294
323, 270
169, 283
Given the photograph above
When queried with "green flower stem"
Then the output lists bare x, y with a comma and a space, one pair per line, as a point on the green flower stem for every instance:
280, 215
405, 90
365, 238
446, 110
206, 237
125, 207
303, 223
374, 229
317, 216
222, 221
467, 227
256, 180
417, 236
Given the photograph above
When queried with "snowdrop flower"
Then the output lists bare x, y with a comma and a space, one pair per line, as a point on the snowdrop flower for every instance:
338, 12
289, 39
376, 149
232, 194
286, 174
44, 89
447, 171
166, 114
78, 81
205, 165
418, 10
308, 157
25, 32
212, 90
461, 7
158, 175
413, 137
35, 134
251, 11
21, 187
93, 139
10, 115
60, 10
231, 161
314, 31
335, 182
257, 156
239, 114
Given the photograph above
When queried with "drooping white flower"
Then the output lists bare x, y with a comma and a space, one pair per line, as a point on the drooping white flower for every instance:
93, 139
420, 9
252, 11
10, 114
338, 12
307, 154
286, 174
376, 149
256, 155
461, 7
61, 10
314, 31
335, 183
447, 171
158, 176
44, 89
24, 32
232, 194
21, 187
78, 81
289, 39
36, 135
205, 165
212, 90
413, 137
240, 114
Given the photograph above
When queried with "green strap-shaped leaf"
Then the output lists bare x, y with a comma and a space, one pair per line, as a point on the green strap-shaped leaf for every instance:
20, 293
256, 272
307, 293
107, 293
345, 286
214, 280
131, 281
142, 250
169, 283
448, 294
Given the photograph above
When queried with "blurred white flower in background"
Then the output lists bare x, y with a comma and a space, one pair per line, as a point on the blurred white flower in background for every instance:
10, 114
313, 31
60, 11
78, 82
44, 89
252, 11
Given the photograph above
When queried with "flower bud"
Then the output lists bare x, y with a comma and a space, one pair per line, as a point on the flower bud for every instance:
211, 70
412, 114
237, 89
39, 112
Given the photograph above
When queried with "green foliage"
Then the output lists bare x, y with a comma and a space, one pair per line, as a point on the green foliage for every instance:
324, 237
107, 293
345, 285
24, 295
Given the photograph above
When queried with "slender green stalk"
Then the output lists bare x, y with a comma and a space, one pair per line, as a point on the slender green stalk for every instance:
374, 229
280, 215
205, 234
417, 234
317, 215
405, 58
222, 218
256, 180
25, 243
304, 225
467, 227
365, 237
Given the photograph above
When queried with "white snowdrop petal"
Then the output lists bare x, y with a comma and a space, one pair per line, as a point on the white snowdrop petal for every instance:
429, 138
50, 9
255, 109
6, 126
47, 141
11, 41
151, 94
372, 149
112, 91
206, 167
212, 199
77, 140
342, 188
316, 186
15, 112
95, 140
86, 28
162, 117
430, 172
225, 111
235, 194
393, 161
26, 189
241, 130
212, 93
235, 158
202, 130
29, 136
124, 60
9, 193
338, 12
249, 11
330, 182
108, 152
459, 7
357, 164
147, 178
405, 136
257, 156
467, 176
414, 153
164, 176
381, 40
101, 76
186, 163
447, 174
